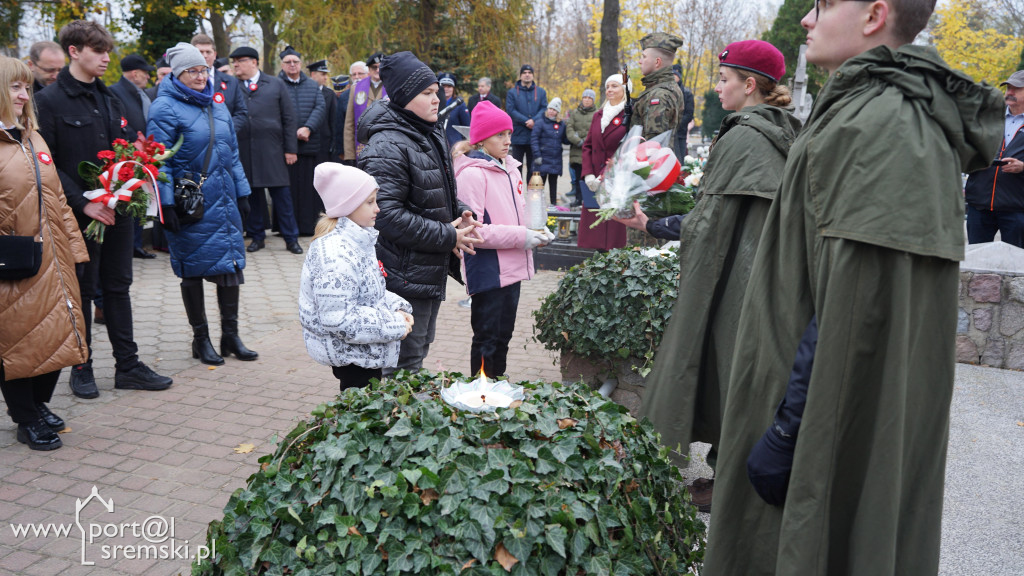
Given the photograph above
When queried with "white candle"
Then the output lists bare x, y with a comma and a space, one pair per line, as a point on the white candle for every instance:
477, 399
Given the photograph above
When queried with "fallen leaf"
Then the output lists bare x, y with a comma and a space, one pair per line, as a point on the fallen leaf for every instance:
515, 404
1019, 423
566, 336
244, 448
564, 423
353, 531
68, 429
211, 367
504, 558
428, 496
633, 485
469, 564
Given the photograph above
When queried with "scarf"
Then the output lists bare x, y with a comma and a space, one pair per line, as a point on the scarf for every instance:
202, 99
608, 112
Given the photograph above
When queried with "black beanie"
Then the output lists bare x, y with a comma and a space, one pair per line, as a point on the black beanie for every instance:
404, 77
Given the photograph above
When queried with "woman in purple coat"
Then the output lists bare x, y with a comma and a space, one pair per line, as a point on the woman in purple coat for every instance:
606, 131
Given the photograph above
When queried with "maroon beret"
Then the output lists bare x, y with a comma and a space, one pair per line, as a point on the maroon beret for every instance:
756, 56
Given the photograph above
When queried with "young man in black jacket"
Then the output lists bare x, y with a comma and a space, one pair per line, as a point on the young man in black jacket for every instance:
79, 117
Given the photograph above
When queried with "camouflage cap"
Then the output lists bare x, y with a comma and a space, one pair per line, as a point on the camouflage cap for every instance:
662, 41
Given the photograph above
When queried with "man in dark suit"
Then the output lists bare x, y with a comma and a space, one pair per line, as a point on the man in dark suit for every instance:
321, 74
226, 84
266, 146
131, 91
45, 59
309, 117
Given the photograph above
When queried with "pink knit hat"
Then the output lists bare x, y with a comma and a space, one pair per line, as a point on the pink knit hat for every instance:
342, 188
487, 120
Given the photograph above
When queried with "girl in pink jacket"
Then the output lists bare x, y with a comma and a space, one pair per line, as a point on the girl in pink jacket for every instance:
488, 180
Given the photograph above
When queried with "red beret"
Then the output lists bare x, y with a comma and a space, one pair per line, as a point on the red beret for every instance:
756, 56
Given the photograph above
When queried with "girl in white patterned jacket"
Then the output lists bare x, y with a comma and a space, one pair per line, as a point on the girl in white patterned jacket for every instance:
349, 320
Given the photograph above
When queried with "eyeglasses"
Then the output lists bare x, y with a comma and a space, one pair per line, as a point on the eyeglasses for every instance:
46, 70
825, 4
291, 62
197, 73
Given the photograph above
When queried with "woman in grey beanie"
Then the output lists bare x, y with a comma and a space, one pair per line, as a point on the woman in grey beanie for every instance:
577, 124
211, 249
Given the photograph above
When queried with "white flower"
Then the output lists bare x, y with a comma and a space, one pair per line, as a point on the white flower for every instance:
689, 159
693, 180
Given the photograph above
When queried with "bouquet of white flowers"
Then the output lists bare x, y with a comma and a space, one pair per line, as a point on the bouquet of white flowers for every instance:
649, 172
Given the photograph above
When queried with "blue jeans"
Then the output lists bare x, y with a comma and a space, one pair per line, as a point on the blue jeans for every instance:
281, 197
983, 224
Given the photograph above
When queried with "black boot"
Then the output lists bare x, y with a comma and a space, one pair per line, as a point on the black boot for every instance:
202, 348
230, 343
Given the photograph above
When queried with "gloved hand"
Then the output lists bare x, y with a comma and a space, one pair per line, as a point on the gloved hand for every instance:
592, 182
171, 222
535, 239
243, 207
769, 465
550, 235
538, 161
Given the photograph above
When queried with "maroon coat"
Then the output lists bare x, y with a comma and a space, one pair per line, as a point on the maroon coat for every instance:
598, 148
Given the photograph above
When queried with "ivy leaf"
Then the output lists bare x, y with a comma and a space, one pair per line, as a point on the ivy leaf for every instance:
403, 427
504, 558
555, 535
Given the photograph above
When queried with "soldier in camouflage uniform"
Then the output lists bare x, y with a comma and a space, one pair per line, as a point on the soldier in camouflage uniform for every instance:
660, 106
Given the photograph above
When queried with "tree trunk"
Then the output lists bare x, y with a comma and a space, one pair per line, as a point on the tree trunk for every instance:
269, 28
221, 41
428, 25
609, 53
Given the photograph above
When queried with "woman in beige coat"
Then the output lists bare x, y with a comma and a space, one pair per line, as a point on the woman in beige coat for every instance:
41, 322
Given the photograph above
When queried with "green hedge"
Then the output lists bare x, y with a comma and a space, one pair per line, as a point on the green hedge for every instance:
391, 480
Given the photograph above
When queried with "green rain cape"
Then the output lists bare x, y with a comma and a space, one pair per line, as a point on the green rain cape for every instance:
718, 240
865, 233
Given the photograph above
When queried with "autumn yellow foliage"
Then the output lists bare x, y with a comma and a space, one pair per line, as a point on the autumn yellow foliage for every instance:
981, 53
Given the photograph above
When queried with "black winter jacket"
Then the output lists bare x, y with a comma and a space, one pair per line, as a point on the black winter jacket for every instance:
417, 202
231, 89
128, 94
992, 189
269, 134
73, 126
309, 111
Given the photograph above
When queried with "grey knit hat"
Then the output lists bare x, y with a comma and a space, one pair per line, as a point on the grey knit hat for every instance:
589, 93
184, 56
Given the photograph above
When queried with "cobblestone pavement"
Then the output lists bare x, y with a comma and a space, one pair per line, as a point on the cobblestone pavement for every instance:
170, 455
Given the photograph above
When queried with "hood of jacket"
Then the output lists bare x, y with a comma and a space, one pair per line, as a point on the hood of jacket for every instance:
586, 109
380, 117
171, 90
961, 107
774, 123
478, 159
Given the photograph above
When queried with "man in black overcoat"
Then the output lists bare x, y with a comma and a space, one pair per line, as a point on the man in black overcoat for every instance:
266, 146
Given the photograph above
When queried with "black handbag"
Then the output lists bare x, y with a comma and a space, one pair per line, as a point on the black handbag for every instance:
21, 256
188, 189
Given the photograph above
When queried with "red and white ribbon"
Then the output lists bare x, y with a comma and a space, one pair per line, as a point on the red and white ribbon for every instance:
110, 196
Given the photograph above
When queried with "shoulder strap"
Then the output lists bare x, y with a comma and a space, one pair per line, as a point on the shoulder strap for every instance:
209, 149
39, 183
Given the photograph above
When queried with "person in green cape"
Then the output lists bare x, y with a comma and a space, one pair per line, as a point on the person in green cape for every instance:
833, 443
718, 240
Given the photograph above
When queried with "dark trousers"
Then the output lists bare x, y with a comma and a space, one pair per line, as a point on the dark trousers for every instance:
138, 235
575, 173
552, 182
493, 317
109, 270
281, 197
306, 203
416, 345
983, 224
22, 394
352, 376
519, 153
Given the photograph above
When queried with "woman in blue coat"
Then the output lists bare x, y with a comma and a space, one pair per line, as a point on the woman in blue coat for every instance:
211, 249
546, 141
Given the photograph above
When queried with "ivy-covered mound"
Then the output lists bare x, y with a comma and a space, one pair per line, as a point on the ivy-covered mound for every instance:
611, 307
391, 480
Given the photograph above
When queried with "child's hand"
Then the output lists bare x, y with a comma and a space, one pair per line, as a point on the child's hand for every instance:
466, 237
409, 321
